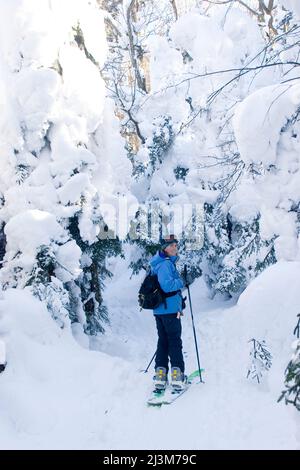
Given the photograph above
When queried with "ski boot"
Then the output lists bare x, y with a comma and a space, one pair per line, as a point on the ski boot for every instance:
160, 379
178, 379
2, 367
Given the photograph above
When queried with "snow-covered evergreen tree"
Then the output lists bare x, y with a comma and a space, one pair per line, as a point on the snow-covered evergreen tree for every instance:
62, 156
260, 360
291, 394
88, 288
246, 256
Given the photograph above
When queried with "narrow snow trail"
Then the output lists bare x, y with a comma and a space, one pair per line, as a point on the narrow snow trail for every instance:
56, 394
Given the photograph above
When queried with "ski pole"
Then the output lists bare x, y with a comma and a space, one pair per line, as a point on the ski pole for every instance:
150, 363
195, 338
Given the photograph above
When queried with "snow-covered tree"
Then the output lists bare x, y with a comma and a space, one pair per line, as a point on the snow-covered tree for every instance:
233, 251
291, 394
232, 123
87, 290
62, 157
260, 360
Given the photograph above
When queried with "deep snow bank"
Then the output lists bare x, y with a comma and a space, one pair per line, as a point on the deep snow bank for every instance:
53, 393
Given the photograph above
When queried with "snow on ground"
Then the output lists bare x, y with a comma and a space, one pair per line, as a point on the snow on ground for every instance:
55, 394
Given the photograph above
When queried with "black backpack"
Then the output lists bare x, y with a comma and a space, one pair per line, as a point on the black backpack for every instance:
151, 294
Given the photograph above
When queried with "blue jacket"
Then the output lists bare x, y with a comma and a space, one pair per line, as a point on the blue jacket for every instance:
169, 280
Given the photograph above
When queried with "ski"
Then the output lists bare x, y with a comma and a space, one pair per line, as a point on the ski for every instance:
156, 397
172, 395
168, 396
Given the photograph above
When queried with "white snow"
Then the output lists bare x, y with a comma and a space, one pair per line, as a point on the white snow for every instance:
29, 230
68, 257
259, 118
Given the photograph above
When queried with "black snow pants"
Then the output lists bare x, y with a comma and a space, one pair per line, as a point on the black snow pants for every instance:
169, 341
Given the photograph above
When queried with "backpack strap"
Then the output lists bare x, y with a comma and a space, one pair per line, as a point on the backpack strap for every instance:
172, 293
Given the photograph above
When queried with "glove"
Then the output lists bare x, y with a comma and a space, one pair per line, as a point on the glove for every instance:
183, 302
187, 276
188, 279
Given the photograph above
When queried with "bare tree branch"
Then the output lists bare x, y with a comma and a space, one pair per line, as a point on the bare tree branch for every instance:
139, 78
173, 3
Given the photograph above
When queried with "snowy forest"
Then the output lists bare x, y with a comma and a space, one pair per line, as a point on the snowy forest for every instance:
123, 121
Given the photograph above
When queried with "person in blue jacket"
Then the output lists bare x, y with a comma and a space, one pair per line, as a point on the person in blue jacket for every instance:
167, 316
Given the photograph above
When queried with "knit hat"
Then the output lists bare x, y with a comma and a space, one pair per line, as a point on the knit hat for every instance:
168, 240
